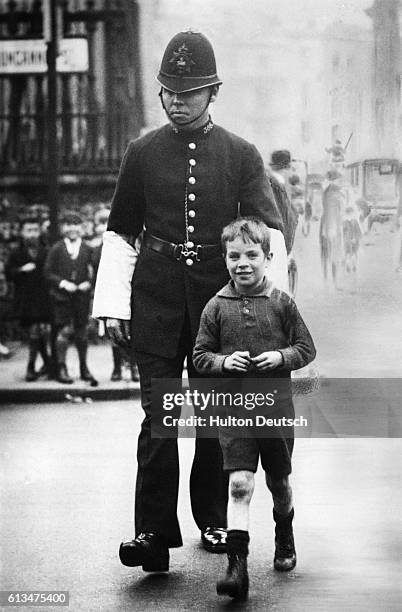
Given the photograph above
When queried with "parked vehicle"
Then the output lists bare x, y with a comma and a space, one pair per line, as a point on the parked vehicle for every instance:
376, 182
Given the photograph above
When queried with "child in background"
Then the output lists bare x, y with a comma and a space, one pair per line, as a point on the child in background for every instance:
352, 235
250, 328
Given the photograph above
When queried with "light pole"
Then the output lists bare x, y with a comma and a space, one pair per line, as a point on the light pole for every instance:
51, 33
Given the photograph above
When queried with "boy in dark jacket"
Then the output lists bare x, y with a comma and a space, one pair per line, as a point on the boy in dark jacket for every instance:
31, 298
69, 271
251, 329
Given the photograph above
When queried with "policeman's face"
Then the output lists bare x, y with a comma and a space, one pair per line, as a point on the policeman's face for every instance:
183, 108
246, 263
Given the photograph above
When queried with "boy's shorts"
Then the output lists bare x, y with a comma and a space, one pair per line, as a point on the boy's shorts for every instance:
243, 454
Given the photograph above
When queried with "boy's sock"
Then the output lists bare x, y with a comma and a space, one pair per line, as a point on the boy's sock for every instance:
237, 541
285, 553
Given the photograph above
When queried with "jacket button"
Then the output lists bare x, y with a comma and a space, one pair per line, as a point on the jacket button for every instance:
192, 145
191, 197
189, 244
189, 262
191, 180
190, 228
192, 162
191, 213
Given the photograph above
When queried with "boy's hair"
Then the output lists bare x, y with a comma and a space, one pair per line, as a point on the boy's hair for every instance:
71, 218
29, 220
249, 229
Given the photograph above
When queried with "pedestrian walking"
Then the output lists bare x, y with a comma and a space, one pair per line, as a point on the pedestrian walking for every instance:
352, 235
251, 329
331, 226
24, 268
70, 273
183, 182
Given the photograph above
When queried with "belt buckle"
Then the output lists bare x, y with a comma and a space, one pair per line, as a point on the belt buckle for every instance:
187, 253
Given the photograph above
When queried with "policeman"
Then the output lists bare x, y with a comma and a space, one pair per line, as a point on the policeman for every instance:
182, 182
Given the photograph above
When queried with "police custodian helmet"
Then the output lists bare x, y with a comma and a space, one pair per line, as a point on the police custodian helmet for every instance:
188, 63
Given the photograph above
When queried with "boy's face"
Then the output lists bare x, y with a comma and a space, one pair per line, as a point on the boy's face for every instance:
71, 230
30, 232
246, 263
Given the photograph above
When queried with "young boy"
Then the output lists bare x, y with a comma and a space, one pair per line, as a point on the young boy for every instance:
352, 235
69, 270
31, 297
250, 328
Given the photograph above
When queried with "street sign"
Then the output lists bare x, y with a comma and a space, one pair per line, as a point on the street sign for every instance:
29, 56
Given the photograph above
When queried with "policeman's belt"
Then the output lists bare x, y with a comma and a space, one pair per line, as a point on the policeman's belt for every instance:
198, 252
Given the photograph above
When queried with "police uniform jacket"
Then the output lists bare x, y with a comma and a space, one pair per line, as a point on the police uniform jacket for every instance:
183, 185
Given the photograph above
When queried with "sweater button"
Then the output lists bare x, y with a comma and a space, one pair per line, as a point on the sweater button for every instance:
189, 244
246, 310
191, 180
191, 228
191, 213
192, 162
191, 197
192, 146
189, 262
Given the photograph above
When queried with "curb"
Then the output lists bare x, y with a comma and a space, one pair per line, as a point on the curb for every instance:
66, 394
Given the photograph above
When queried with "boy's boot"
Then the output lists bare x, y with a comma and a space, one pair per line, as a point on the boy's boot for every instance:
285, 553
31, 374
116, 374
135, 375
235, 583
85, 374
45, 370
61, 345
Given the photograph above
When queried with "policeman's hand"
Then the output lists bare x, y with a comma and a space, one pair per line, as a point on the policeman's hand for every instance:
84, 286
238, 361
118, 331
28, 267
268, 360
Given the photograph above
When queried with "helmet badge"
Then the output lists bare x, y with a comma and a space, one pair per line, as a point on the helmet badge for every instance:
181, 60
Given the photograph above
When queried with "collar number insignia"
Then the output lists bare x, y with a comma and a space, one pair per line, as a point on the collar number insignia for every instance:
181, 60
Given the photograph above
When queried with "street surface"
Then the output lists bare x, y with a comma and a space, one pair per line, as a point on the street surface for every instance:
68, 472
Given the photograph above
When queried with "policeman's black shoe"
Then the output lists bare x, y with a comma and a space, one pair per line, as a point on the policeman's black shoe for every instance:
285, 553
62, 375
148, 550
235, 583
31, 374
214, 539
116, 374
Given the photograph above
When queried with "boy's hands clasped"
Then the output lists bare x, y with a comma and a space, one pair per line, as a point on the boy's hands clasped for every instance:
240, 361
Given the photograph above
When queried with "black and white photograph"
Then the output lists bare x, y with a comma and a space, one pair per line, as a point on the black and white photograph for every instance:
201, 305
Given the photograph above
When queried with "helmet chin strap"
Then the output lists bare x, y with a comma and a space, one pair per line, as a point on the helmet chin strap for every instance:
180, 123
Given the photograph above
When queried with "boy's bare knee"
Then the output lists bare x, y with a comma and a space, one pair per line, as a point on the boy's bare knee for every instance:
241, 485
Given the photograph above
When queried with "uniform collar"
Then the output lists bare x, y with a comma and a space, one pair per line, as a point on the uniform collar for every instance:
200, 132
229, 291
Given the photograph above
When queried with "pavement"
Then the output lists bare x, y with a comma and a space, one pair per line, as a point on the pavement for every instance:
15, 389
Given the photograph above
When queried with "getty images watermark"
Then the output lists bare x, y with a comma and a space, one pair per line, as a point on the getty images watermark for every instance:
205, 401
338, 407
259, 407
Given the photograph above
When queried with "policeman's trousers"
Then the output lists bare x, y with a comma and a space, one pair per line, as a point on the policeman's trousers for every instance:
158, 462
